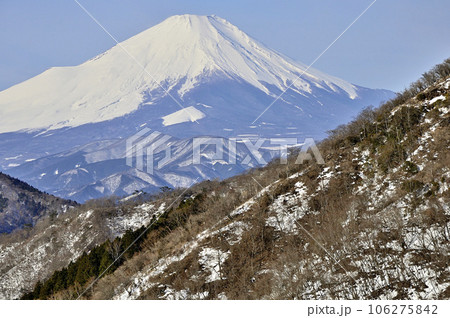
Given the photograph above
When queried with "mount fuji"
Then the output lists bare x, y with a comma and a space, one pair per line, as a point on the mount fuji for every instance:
185, 77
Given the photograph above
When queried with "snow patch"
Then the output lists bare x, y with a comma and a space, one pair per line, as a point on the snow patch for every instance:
434, 100
183, 115
212, 261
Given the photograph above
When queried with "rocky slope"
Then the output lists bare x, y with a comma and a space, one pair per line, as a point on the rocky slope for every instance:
372, 223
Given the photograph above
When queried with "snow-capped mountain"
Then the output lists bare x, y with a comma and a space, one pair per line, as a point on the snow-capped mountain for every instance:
176, 57
187, 76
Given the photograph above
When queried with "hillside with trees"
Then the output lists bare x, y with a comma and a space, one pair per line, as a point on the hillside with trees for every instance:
370, 223
22, 205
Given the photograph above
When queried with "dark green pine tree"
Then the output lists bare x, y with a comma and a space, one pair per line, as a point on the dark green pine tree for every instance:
105, 262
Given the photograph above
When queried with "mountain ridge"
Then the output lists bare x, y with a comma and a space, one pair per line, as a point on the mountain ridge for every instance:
22, 205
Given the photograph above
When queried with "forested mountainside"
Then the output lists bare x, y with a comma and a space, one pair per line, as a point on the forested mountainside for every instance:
21, 205
370, 223
33, 254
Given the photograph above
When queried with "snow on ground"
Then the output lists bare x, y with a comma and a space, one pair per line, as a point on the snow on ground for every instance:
324, 178
248, 204
234, 231
142, 280
212, 261
434, 100
288, 208
171, 294
39, 254
34, 257
140, 216
183, 115
132, 196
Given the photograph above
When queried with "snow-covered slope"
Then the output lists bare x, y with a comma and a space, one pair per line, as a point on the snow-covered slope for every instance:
176, 55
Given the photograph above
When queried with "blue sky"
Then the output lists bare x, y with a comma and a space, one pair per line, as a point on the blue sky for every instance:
389, 47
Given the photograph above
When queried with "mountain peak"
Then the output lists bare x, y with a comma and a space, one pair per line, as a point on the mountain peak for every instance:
178, 54
203, 25
193, 19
